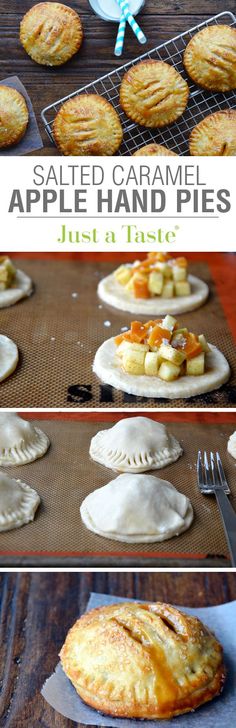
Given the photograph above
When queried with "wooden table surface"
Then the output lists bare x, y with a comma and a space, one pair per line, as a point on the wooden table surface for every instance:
160, 21
38, 609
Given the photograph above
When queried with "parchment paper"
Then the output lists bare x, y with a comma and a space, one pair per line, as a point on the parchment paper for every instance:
31, 140
60, 694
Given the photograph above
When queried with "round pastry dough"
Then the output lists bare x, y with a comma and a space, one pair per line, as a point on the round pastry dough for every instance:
137, 509
87, 125
21, 287
232, 445
116, 295
18, 503
20, 441
153, 94
154, 150
134, 445
107, 367
151, 661
210, 58
215, 136
9, 357
14, 116
51, 33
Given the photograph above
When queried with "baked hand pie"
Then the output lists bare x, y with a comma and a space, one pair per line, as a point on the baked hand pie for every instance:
14, 116
134, 445
18, 503
152, 285
9, 357
51, 33
232, 445
210, 58
153, 94
161, 358
14, 284
154, 150
151, 661
136, 508
87, 125
20, 441
215, 136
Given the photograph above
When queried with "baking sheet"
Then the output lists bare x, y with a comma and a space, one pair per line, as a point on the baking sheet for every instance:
66, 474
59, 329
32, 140
60, 694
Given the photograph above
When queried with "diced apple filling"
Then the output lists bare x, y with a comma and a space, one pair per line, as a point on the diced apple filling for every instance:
163, 349
158, 275
7, 272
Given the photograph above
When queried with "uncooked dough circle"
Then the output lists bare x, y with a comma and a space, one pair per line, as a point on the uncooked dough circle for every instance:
107, 367
9, 357
135, 445
21, 287
231, 447
18, 503
20, 441
137, 509
116, 295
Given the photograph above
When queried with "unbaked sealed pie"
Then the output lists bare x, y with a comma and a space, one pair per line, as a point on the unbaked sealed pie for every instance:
18, 503
150, 661
9, 357
215, 136
14, 284
160, 358
87, 125
51, 33
134, 445
20, 441
232, 445
154, 285
153, 94
210, 58
14, 116
154, 150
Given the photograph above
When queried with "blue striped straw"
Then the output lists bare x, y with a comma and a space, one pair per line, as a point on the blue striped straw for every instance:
120, 36
124, 6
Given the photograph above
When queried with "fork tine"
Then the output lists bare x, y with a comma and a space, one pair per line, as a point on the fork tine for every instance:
221, 472
207, 471
214, 470
200, 477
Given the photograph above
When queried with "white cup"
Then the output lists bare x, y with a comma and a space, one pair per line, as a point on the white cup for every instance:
109, 9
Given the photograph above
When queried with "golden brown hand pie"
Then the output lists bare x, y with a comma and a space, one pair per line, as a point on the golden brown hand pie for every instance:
154, 150
215, 135
210, 58
143, 661
153, 94
87, 125
51, 33
14, 116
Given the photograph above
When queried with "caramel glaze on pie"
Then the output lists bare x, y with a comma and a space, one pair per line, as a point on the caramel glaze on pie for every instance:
143, 661
210, 58
51, 33
153, 94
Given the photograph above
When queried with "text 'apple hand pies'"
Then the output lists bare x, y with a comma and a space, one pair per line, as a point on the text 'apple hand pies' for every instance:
150, 661
14, 116
134, 445
18, 503
210, 58
154, 150
20, 441
137, 509
215, 136
87, 125
153, 94
51, 33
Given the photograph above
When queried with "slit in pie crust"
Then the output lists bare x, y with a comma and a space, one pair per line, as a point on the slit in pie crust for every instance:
135, 445
151, 661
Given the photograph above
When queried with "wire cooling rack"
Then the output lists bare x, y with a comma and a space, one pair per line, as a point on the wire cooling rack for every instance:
201, 102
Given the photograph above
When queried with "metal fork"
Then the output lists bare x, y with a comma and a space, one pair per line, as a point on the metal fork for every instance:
212, 480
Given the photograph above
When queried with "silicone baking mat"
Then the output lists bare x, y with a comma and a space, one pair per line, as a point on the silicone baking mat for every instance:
65, 476
59, 329
201, 102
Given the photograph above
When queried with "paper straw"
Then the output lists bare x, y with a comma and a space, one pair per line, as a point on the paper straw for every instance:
120, 36
124, 5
